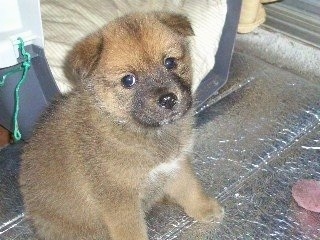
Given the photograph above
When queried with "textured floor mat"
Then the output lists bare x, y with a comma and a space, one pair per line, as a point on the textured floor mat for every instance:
252, 146
258, 138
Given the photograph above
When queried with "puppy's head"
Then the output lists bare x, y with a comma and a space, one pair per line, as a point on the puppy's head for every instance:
138, 68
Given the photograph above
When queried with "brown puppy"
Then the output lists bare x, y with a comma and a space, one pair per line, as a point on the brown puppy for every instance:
104, 154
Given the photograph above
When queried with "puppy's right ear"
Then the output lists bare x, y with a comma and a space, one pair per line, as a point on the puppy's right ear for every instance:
85, 55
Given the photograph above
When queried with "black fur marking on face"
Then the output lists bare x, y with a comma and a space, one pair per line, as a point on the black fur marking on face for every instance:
161, 100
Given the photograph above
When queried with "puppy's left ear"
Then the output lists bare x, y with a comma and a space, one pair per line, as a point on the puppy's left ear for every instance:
85, 55
177, 22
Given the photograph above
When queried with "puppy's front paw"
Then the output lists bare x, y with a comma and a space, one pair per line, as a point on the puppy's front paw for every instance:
206, 210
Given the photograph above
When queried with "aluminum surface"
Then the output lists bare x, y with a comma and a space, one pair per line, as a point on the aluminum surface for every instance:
254, 144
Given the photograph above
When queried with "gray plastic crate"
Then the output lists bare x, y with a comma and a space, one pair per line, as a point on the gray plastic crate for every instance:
218, 76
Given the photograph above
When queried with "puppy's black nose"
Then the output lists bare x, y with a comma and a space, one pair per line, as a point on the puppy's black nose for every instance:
168, 100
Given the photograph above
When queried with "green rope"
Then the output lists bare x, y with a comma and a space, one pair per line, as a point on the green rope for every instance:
24, 67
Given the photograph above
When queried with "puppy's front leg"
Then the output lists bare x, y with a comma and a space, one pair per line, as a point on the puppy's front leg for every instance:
188, 193
125, 220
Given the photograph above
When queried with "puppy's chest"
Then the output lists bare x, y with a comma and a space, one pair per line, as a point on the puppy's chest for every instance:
168, 169
157, 179
164, 171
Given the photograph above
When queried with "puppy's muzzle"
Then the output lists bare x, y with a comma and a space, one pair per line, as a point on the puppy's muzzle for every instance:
161, 99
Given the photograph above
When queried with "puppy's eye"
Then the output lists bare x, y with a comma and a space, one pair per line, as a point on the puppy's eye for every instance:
170, 63
128, 80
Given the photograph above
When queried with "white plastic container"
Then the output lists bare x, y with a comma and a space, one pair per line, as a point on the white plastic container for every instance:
18, 18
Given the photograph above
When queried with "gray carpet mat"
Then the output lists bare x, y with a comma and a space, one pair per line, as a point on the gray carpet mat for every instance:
259, 137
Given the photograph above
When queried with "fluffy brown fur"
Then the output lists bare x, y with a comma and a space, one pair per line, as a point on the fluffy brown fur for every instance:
104, 154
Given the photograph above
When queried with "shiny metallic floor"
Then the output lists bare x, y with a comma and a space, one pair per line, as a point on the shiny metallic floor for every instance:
260, 135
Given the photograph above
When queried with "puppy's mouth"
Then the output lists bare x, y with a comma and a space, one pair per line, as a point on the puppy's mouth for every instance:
161, 106
173, 119
157, 118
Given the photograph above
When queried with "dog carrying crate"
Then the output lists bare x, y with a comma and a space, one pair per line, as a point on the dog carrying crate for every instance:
218, 76
22, 19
